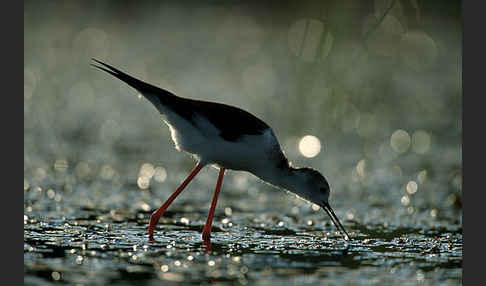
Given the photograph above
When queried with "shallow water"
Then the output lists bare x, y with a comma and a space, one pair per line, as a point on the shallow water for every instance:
271, 238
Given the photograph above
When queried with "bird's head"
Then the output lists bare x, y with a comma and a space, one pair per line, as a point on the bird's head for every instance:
314, 187
311, 185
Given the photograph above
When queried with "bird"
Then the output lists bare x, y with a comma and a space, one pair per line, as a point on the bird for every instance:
227, 138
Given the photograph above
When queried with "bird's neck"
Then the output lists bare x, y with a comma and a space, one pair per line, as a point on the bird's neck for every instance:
284, 178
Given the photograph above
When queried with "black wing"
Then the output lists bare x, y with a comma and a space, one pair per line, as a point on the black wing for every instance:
232, 121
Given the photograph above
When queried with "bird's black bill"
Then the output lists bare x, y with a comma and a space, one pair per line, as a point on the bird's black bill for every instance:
335, 220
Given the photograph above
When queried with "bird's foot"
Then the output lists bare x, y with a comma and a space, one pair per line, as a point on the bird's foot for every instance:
206, 236
207, 245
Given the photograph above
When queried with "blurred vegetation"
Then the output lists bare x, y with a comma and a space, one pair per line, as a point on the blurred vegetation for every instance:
382, 94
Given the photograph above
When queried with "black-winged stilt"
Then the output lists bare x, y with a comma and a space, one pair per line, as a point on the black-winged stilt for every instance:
228, 138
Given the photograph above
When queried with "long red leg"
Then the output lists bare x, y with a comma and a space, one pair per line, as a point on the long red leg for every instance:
206, 235
154, 218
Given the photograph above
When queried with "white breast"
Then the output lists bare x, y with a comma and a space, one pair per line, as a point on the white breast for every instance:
249, 153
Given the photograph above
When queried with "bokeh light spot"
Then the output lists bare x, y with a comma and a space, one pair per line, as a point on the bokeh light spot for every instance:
145, 174
160, 174
147, 170
400, 141
61, 165
361, 168
107, 172
143, 182
40, 174
82, 170
420, 142
422, 176
56, 275
405, 200
433, 212
51, 193
309, 146
457, 181
412, 187
418, 50
185, 220
228, 211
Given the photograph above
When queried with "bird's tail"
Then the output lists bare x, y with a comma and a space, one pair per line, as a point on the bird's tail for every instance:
155, 95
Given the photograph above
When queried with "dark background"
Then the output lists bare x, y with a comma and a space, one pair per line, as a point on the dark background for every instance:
318, 68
